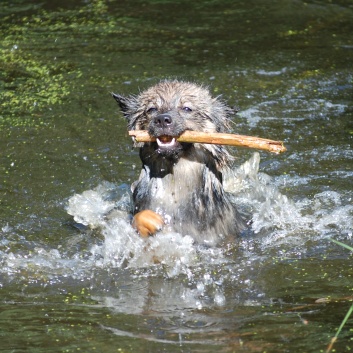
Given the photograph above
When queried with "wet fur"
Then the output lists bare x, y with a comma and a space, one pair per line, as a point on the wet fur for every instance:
183, 183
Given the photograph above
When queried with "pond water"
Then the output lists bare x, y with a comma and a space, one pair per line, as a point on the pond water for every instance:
64, 149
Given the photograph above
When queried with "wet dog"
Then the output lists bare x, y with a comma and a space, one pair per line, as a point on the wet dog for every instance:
180, 185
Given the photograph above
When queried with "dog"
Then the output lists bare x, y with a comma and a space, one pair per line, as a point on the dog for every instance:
180, 185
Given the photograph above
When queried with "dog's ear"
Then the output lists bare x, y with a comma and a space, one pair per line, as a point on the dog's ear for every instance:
129, 107
122, 101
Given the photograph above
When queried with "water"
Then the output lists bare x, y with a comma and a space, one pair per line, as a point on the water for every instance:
72, 280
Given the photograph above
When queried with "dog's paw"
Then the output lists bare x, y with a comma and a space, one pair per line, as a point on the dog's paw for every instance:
147, 222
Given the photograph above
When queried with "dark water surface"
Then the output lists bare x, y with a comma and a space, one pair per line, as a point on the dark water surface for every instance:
287, 64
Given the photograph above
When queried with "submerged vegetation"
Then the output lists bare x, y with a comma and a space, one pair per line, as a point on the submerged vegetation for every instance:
33, 73
29, 85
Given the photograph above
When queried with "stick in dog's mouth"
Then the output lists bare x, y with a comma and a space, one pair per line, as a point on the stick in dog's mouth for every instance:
212, 138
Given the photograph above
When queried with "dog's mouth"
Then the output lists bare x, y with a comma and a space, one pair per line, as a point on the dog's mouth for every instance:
167, 142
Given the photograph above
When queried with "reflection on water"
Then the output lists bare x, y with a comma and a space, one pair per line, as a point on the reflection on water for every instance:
91, 283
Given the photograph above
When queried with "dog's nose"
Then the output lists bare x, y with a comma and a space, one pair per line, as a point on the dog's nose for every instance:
163, 120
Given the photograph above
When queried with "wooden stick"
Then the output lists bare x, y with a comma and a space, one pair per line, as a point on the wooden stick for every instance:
218, 139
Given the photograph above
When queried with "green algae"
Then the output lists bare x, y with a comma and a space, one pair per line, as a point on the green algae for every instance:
34, 73
29, 86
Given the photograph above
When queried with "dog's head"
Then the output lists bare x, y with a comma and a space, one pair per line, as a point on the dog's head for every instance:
169, 108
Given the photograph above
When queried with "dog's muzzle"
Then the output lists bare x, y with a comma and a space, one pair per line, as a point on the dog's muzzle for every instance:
166, 131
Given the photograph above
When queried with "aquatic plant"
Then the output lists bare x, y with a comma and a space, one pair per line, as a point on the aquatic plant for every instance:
35, 71
349, 312
29, 84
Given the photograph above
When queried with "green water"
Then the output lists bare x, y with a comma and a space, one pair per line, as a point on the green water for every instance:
286, 64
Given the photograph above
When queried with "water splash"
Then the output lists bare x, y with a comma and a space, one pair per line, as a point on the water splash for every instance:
278, 224
276, 220
279, 220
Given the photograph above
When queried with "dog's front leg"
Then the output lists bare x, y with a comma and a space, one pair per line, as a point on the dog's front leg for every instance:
147, 222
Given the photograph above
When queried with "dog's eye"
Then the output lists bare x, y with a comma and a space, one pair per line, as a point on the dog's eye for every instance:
151, 110
187, 109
